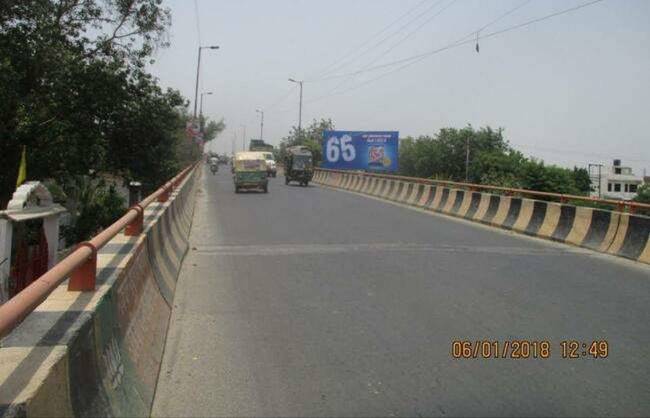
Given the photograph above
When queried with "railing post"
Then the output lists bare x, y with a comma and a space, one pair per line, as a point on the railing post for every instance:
83, 278
137, 225
164, 196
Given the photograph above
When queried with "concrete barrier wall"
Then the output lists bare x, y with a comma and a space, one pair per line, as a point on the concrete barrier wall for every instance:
99, 353
621, 234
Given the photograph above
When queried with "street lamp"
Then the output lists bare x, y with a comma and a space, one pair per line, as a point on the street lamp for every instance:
198, 67
260, 111
300, 107
243, 138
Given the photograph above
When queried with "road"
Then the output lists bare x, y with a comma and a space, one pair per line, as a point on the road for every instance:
317, 302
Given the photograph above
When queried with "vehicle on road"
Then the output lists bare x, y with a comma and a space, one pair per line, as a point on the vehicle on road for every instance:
259, 145
250, 172
214, 164
271, 168
298, 165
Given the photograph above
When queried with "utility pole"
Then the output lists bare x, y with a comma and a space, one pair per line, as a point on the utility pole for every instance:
260, 111
299, 107
600, 166
198, 70
243, 139
467, 159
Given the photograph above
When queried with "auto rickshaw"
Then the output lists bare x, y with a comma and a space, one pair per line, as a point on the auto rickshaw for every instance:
298, 165
250, 172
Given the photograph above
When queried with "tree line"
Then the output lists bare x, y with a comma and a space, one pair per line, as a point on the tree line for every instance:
492, 161
443, 156
75, 93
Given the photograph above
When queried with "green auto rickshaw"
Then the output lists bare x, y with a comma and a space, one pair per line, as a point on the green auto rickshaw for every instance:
298, 165
250, 171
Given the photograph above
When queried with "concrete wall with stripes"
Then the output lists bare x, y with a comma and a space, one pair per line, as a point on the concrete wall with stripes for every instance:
621, 234
99, 353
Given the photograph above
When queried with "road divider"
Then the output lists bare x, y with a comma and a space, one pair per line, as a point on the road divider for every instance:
614, 232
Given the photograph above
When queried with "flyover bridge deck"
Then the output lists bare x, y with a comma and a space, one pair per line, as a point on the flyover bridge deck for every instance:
310, 301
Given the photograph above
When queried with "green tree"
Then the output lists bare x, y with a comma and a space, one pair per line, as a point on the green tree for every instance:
491, 161
643, 193
213, 129
69, 71
582, 180
74, 91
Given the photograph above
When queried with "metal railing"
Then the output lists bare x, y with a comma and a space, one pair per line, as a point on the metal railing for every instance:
81, 264
620, 205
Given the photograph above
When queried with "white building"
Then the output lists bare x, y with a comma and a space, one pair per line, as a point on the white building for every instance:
615, 182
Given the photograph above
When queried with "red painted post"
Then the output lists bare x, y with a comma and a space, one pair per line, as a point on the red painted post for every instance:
164, 196
137, 225
83, 278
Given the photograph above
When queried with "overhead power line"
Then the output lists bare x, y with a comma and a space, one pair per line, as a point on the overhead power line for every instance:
281, 99
395, 45
459, 43
336, 64
407, 62
383, 40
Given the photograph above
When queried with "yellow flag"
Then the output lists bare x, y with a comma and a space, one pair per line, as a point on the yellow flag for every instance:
22, 171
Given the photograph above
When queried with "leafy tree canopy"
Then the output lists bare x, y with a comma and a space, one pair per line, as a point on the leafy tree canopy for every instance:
491, 161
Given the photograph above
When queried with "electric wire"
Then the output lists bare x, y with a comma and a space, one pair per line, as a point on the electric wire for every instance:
459, 42
395, 45
407, 62
335, 65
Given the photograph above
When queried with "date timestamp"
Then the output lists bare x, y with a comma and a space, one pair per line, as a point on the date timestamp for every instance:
528, 349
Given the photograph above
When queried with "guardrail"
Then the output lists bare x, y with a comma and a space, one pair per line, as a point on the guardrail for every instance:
81, 264
620, 205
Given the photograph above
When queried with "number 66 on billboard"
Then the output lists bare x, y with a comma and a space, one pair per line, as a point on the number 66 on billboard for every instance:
361, 150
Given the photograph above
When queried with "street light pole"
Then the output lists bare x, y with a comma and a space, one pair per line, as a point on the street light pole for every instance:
243, 139
467, 159
299, 107
198, 69
261, 112
201, 123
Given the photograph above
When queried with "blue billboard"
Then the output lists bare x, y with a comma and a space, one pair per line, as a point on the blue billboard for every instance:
359, 150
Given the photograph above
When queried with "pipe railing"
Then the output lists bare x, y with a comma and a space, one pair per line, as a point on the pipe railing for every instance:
81, 264
620, 205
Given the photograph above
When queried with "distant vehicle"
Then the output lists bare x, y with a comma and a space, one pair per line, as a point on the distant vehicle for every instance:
298, 165
250, 171
271, 167
214, 164
259, 145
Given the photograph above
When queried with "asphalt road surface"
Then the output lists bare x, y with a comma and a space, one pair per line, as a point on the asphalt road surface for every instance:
317, 302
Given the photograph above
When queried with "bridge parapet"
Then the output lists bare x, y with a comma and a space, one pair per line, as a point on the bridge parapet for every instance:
92, 353
619, 233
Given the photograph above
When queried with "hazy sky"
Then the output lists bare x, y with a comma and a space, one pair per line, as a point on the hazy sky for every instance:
571, 89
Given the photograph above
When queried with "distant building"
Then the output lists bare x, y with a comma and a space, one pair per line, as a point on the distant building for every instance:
616, 182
